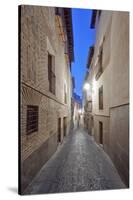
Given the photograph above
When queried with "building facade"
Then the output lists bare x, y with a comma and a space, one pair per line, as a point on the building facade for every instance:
77, 113
46, 53
106, 102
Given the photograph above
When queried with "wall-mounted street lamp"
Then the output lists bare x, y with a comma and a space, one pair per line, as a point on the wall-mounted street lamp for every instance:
86, 86
79, 111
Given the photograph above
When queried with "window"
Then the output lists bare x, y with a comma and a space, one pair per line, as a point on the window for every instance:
101, 56
65, 93
101, 98
32, 119
51, 74
100, 63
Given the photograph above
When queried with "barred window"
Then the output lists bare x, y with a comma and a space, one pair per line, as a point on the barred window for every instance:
32, 119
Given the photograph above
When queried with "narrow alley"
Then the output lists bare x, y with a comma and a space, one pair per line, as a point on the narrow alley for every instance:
74, 99
78, 165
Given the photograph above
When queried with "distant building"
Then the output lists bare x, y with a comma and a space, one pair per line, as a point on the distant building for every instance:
106, 102
77, 110
46, 54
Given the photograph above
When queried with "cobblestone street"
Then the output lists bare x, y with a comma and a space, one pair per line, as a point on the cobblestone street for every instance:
78, 165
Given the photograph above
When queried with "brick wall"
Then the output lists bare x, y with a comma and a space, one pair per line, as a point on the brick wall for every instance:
39, 36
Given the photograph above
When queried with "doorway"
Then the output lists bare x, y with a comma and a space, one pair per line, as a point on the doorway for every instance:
59, 130
101, 133
64, 125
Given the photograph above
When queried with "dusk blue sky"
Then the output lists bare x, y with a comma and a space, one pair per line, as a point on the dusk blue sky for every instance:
84, 37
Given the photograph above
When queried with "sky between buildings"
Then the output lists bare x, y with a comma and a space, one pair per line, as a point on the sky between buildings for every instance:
84, 37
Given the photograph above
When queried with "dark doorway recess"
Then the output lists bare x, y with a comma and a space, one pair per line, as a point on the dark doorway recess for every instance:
64, 125
101, 133
59, 130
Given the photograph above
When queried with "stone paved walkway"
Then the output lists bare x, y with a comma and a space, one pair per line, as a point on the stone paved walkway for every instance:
78, 165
